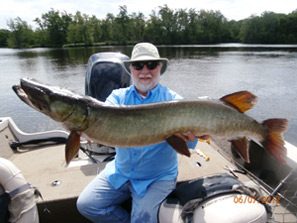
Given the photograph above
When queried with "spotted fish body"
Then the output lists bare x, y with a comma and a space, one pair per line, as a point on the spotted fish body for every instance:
131, 126
140, 125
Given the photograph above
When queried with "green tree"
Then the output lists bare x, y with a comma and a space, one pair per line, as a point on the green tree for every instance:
182, 20
53, 26
120, 26
192, 25
21, 34
234, 30
4, 35
154, 29
95, 29
290, 30
137, 27
164, 26
270, 27
79, 30
107, 28
212, 27
169, 24
251, 30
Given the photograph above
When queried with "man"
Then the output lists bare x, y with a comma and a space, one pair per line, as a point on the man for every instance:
147, 174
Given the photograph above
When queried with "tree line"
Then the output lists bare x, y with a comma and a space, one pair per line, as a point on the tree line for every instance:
164, 26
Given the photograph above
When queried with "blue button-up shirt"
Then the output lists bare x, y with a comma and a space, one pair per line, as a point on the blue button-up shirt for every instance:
142, 165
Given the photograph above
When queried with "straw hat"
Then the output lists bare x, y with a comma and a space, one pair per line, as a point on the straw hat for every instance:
145, 52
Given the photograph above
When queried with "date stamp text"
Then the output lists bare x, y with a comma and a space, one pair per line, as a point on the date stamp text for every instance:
240, 199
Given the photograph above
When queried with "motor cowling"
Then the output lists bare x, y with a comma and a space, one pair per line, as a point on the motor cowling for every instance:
105, 72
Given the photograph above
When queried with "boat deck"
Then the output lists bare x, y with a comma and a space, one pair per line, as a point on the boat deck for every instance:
60, 185
46, 169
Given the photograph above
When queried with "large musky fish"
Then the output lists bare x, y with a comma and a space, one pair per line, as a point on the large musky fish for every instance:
139, 125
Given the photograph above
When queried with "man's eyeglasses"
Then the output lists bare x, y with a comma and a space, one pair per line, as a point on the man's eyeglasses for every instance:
150, 65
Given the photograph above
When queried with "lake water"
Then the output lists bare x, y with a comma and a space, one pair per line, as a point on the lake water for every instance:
270, 72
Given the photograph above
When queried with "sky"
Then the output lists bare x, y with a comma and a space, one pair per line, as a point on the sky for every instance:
28, 10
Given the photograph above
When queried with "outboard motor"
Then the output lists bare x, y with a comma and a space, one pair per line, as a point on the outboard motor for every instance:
106, 72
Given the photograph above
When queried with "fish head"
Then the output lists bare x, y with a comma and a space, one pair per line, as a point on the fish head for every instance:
59, 104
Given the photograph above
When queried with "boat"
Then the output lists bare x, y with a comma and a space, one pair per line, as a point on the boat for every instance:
213, 185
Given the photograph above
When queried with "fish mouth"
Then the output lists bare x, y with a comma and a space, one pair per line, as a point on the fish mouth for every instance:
21, 94
32, 93
52, 101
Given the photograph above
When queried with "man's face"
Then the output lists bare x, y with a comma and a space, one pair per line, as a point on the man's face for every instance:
145, 75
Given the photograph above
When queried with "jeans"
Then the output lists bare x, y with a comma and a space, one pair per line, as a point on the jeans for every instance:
100, 202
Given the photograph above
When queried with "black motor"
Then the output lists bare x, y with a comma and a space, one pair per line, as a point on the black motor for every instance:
106, 72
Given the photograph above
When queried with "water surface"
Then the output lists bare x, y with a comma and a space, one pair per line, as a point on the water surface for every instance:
270, 72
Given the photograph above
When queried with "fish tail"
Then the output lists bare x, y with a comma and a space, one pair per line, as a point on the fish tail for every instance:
274, 141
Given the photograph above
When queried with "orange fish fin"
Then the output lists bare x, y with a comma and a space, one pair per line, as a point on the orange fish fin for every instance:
179, 145
72, 146
274, 142
241, 146
242, 100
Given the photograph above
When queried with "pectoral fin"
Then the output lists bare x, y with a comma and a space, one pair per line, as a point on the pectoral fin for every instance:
72, 146
179, 145
241, 146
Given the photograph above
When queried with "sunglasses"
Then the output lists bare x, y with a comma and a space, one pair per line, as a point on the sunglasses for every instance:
150, 65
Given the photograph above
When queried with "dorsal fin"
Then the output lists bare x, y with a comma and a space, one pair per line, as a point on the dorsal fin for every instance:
241, 100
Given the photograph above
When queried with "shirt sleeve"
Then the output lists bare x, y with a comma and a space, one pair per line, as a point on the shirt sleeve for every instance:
175, 96
113, 98
193, 144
